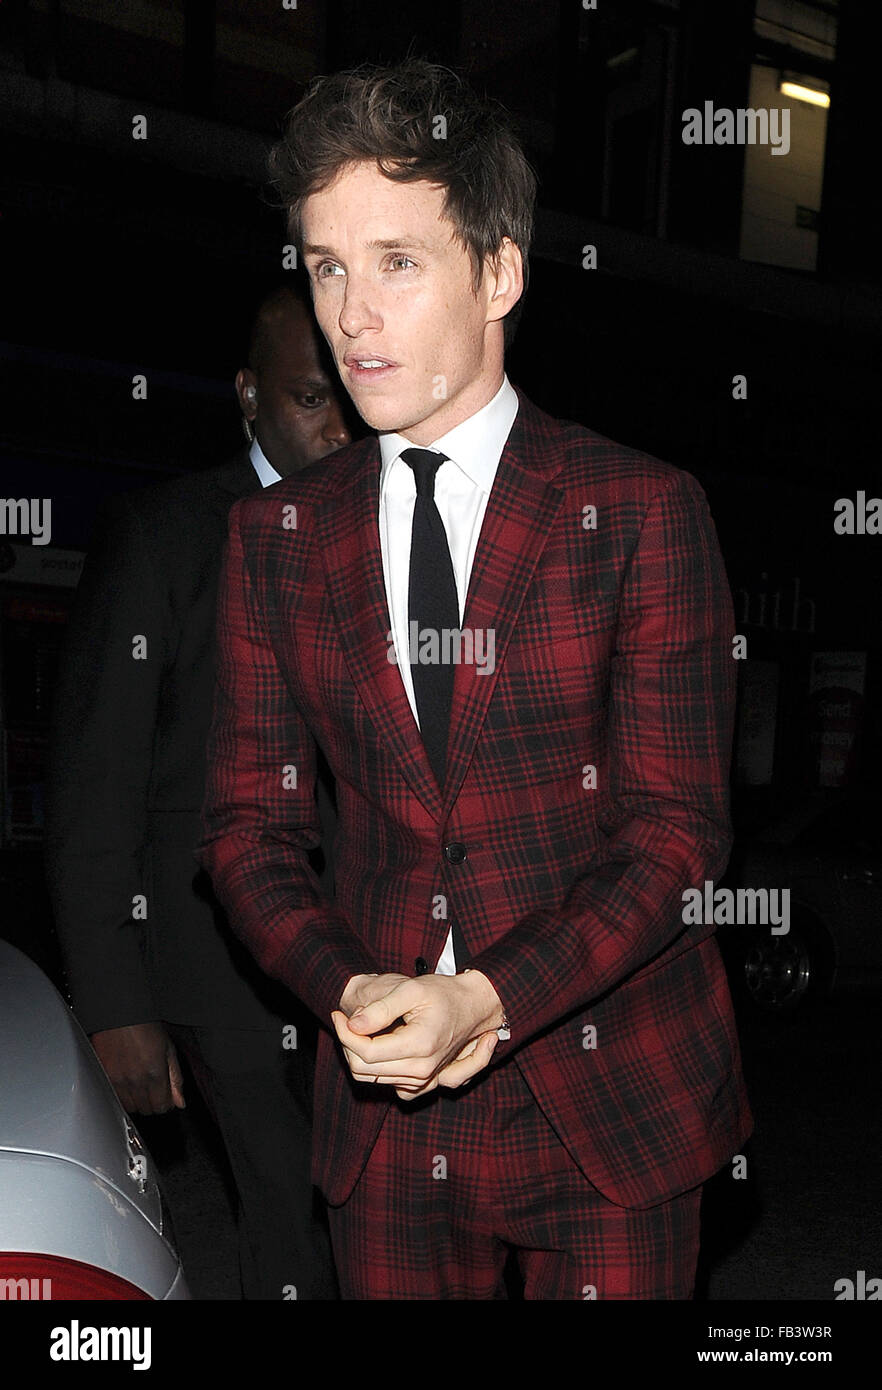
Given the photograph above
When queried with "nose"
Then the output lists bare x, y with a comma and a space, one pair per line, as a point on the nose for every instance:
356, 313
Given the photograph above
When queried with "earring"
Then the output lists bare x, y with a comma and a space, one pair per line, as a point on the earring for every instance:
248, 430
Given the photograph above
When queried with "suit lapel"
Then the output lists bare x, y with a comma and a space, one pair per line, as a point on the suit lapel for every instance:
349, 544
517, 522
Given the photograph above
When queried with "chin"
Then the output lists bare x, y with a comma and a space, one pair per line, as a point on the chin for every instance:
388, 420
289, 466
392, 416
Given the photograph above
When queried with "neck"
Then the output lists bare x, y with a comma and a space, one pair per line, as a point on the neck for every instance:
466, 404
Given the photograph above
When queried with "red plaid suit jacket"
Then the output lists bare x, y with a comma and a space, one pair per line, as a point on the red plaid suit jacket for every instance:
613, 651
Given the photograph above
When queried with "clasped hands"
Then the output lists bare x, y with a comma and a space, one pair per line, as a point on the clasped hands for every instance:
417, 1034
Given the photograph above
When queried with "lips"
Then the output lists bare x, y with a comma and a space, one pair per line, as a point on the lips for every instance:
353, 359
369, 368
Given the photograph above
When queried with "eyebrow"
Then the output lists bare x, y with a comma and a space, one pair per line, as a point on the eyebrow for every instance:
402, 243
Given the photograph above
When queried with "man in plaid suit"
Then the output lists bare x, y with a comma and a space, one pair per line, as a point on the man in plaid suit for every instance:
526, 1048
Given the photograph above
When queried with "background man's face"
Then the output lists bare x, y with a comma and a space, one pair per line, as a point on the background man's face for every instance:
297, 412
390, 282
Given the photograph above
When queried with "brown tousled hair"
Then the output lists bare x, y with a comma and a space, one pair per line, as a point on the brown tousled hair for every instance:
391, 115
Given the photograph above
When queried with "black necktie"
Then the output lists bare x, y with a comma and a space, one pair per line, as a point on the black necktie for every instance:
432, 604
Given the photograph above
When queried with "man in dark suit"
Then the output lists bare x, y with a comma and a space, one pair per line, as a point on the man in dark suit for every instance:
150, 960
511, 638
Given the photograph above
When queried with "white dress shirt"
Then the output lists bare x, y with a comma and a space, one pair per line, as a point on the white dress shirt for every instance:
462, 488
262, 466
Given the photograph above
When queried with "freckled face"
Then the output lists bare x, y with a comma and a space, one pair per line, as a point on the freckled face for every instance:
417, 348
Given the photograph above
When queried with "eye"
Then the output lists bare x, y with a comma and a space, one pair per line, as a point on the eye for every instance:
396, 259
326, 265
310, 401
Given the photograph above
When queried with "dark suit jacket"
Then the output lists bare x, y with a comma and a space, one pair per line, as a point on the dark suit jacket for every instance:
613, 648
127, 767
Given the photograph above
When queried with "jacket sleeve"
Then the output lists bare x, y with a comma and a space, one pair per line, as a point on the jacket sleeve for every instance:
100, 761
666, 818
260, 817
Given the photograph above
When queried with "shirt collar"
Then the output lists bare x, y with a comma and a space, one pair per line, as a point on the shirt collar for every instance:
262, 466
475, 445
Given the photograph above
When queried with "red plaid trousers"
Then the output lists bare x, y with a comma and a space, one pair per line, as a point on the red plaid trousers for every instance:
457, 1179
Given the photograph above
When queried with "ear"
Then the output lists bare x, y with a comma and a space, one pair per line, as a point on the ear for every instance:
246, 391
505, 280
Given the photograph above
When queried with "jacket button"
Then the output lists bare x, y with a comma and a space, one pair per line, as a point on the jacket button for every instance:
455, 853
421, 965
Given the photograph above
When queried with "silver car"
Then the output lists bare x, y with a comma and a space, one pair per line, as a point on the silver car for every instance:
81, 1214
